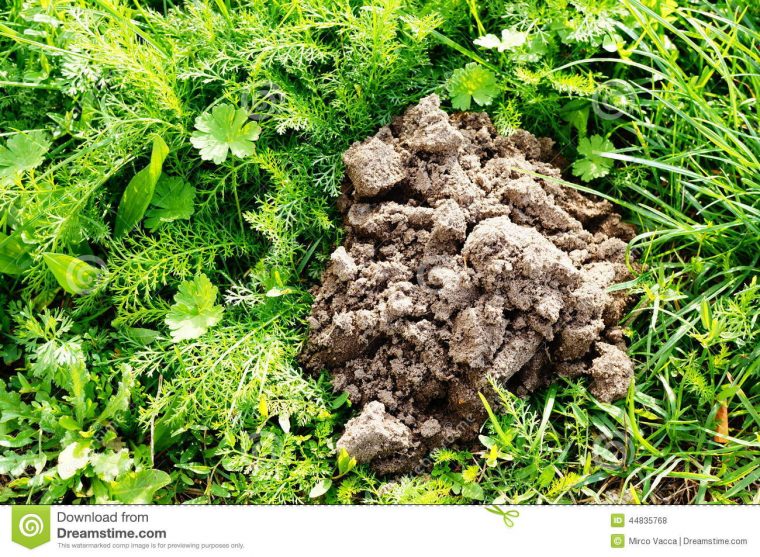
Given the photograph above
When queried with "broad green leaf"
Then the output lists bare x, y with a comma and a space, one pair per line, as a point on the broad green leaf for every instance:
100, 491
173, 200
74, 275
139, 192
340, 401
13, 256
22, 152
473, 491
472, 83
222, 130
72, 459
194, 309
493, 455
219, 491
110, 465
322, 487
613, 42
26, 436
195, 468
141, 336
67, 422
705, 314
139, 487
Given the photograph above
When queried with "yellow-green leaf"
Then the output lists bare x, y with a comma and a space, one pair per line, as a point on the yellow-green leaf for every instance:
74, 275
139, 487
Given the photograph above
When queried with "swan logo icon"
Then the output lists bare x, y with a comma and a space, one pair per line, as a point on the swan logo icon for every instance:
30, 525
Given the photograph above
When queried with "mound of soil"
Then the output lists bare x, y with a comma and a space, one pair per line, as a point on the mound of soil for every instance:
461, 261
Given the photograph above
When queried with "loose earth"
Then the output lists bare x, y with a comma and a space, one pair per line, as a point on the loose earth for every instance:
464, 261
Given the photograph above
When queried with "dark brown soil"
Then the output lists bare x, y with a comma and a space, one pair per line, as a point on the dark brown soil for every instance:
460, 261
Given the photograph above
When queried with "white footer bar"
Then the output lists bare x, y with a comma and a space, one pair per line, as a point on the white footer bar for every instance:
367, 531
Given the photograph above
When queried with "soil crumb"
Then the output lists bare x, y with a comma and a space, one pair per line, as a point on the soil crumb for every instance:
460, 262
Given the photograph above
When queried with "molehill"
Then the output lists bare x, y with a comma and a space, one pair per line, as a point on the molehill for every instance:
462, 259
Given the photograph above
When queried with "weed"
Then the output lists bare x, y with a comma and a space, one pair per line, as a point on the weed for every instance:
101, 226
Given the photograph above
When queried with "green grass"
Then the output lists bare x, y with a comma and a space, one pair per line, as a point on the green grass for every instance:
229, 416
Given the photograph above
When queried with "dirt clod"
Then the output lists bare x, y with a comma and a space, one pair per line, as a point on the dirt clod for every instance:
462, 260
374, 433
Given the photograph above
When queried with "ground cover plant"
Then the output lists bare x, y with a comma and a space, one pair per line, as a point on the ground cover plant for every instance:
169, 176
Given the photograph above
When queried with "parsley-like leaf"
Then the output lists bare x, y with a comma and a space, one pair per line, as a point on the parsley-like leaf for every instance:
21, 153
173, 199
194, 309
224, 129
472, 83
593, 165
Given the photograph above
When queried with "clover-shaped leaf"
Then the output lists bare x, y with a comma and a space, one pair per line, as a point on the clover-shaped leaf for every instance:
173, 200
472, 83
222, 130
21, 153
194, 309
593, 165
